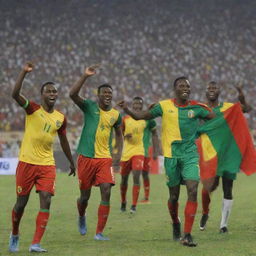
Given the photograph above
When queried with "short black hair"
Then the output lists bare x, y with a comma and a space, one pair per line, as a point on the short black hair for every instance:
213, 82
46, 83
179, 78
137, 98
104, 86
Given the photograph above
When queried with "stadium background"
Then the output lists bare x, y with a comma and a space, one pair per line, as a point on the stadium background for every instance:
142, 46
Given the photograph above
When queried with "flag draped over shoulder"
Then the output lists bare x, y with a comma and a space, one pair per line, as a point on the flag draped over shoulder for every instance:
225, 144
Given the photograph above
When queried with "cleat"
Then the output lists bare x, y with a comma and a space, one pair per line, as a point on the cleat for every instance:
14, 243
223, 230
82, 225
123, 207
187, 240
203, 221
133, 209
176, 232
100, 237
144, 201
36, 248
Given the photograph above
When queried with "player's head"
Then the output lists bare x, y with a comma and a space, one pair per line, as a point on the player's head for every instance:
49, 93
137, 103
182, 88
105, 94
212, 91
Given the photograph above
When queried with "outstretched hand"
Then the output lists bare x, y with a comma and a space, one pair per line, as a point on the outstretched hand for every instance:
90, 71
72, 170
28, 67
122, 104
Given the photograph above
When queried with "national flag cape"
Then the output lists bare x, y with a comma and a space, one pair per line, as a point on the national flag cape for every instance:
225, 144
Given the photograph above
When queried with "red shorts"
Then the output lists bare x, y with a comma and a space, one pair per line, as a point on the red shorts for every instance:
94, 171
146, 166
135, 163
28, 175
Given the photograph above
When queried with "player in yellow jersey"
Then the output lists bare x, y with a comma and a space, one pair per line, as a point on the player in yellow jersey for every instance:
94, 165
136, 140
36, 163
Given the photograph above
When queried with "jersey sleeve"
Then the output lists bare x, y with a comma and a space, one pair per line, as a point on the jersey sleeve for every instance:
203, 112
86, 104
118, 121
30, 107
152, 125
62, 129
156, 110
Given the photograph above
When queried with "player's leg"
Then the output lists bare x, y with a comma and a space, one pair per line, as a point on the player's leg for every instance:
103, 210
24, 184
105, 179
125, 171
227, 185
146, 180
206, 200
173, 182
45, 186
137, 166
86, 175
82, 203
190, 174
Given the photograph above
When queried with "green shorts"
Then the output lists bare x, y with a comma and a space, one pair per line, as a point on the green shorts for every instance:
229, 175
179, 169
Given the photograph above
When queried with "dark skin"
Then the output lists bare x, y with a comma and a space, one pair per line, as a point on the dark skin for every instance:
48, 99
182, 93
212, 96
137, 106
105, 103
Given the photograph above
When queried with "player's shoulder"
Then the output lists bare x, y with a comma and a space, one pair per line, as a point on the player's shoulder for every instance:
58, 114
228, 104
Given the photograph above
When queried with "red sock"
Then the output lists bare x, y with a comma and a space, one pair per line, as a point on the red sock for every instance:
123, 190
205, 201
135, 194
81, 208
103, 212
190, 212
41, 223
16, 217
146, 188
173, 210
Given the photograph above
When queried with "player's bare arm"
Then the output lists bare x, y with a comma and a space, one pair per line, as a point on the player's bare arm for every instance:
119, 146
155, 144
66, 149
16, 95
75, 89
245, 106
138, 115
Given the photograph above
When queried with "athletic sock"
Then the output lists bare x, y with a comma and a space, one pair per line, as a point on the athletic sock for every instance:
103, 212
205, 201
135, 194
41, 223
16, 217
81, 208
190, 212
226, 210
146, 184
173, 210
123, 190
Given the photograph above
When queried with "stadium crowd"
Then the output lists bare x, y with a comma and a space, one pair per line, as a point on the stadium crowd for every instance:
141, 47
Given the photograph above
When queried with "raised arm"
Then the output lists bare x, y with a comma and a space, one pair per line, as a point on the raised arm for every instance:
144, 114
20, 99
76, 87
246, 108
66, 149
